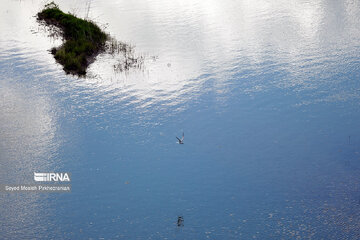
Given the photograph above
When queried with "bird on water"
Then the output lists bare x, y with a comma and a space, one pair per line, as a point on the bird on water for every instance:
180, 221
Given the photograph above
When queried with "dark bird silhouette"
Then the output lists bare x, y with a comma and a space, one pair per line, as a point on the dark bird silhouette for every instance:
180, 221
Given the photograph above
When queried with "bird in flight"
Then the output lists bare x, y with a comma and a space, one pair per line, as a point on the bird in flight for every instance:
181, 141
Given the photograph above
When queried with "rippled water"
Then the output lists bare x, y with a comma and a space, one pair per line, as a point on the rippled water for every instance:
267, 93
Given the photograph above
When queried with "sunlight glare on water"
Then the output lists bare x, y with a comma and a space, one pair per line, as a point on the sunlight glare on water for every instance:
266, 92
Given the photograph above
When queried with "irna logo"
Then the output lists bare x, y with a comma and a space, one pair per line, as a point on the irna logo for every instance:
51, 177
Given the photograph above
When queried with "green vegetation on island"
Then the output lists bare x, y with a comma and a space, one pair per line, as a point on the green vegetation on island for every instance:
83, 39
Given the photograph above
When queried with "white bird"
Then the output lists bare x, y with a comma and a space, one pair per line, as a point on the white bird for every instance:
181, 141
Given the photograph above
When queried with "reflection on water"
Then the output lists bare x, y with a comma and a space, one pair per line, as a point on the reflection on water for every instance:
301, 41
266, 92
27, 130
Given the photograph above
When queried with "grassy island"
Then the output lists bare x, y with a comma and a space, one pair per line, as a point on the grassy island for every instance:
83, 39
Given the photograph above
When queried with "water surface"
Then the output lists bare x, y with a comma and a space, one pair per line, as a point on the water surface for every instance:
266, 92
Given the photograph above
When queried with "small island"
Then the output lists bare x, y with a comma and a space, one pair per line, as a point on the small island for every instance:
83, 40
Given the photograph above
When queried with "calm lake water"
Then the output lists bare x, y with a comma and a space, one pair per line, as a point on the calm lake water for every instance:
266, 92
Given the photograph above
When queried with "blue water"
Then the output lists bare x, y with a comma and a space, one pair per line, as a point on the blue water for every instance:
267, 94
